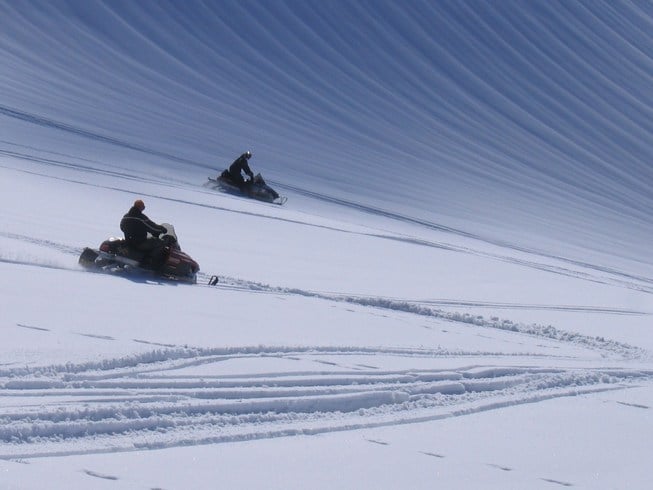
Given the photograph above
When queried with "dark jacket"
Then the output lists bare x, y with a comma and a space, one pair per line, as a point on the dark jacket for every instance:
240, 165
135, 225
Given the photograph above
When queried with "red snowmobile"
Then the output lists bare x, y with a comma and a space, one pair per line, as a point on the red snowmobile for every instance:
114, 255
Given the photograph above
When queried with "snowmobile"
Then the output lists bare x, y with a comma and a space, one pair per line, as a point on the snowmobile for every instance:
255, 188
114, 255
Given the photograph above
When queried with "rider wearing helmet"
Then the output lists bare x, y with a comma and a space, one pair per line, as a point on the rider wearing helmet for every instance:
240, 165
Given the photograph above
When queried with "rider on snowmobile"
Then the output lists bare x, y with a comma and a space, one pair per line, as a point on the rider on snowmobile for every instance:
240, 165
135, 225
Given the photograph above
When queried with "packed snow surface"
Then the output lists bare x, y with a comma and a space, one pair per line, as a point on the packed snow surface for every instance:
458, 292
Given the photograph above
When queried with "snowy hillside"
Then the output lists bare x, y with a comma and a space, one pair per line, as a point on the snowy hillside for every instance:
457, 294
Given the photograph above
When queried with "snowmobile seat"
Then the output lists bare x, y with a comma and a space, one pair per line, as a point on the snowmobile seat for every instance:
119, 246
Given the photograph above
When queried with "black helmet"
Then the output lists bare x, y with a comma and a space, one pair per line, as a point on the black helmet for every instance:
247, 154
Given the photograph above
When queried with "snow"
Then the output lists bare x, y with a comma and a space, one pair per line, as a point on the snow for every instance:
456, 294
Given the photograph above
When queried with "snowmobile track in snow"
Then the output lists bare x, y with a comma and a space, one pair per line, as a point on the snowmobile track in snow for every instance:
161, 400
426, 308
176, 395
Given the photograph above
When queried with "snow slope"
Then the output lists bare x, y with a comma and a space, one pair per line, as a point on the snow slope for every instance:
486, 324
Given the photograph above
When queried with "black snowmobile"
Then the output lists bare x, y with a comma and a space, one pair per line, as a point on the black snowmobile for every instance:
255, 188
114, 255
